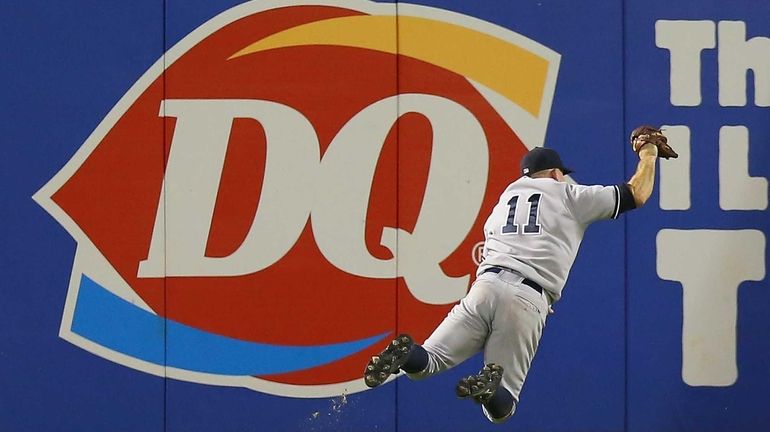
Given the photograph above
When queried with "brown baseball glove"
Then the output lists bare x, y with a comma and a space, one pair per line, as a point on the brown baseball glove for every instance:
648, 134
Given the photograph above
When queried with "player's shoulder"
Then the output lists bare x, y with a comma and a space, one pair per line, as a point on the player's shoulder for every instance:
589, 195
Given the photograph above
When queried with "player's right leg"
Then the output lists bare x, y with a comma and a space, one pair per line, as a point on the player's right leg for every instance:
516, 329
485, 388
482, 386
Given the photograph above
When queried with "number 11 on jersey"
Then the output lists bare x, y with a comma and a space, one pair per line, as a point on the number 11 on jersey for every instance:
532, 227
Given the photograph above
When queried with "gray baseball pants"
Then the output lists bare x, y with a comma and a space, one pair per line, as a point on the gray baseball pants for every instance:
500, 315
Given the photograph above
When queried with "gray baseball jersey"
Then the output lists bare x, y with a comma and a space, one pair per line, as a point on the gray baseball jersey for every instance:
537, 226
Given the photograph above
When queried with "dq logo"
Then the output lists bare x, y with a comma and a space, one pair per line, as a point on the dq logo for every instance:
290, 185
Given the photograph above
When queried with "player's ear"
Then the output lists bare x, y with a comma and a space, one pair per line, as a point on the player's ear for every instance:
554, 174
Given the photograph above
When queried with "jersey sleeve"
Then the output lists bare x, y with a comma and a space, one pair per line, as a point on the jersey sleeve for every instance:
592, 203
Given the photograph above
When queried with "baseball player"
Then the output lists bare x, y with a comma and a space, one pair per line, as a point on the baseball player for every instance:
532, 237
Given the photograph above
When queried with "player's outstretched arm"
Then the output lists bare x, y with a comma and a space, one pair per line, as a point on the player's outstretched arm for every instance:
643, 180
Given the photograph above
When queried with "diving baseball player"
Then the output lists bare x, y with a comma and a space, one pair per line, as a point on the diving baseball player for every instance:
532, 237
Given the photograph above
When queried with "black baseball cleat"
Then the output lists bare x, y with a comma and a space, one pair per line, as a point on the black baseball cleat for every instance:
388, 362
482, 386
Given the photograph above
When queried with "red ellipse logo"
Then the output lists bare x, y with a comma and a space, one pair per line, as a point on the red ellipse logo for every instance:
309, 177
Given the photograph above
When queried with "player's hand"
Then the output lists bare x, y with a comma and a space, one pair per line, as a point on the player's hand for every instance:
646, 148
644, 135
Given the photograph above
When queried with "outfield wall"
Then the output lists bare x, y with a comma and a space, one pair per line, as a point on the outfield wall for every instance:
215, 212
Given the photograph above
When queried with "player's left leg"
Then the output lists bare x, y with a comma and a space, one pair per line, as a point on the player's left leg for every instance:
459, 336
464, 330
401, 354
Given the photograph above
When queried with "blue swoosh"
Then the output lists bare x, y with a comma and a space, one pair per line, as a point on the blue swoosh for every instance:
114, 323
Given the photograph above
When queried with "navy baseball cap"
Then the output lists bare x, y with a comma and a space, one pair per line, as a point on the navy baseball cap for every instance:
539, 159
